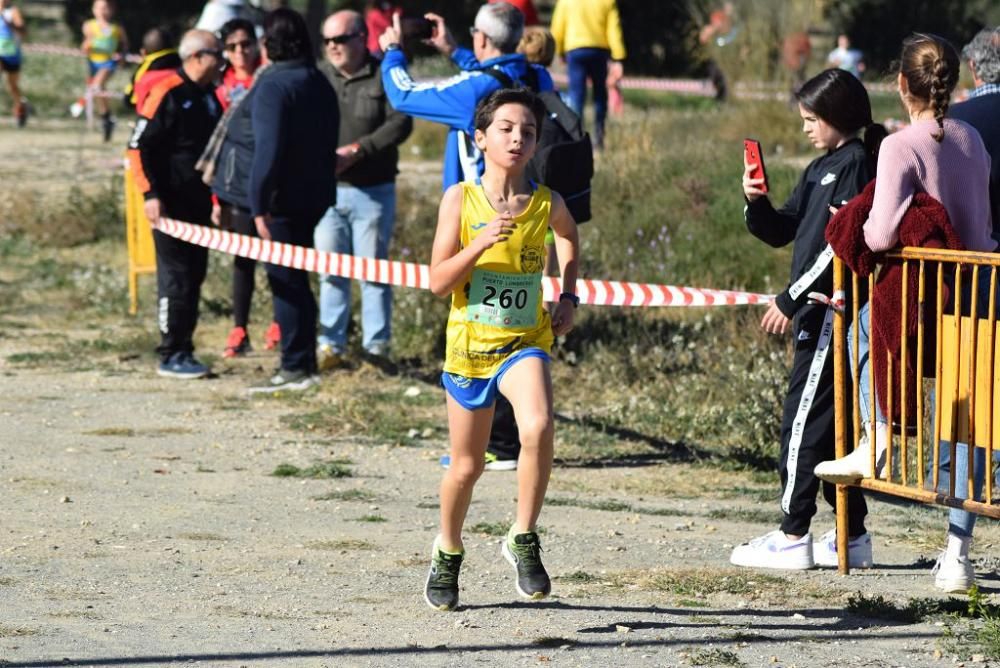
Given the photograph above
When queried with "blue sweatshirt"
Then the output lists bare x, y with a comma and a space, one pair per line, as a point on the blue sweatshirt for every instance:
453, 102
295, 123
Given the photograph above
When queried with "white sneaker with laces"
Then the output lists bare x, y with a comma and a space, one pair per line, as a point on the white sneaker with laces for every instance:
775, 550
953, 573
857, 465
859, 550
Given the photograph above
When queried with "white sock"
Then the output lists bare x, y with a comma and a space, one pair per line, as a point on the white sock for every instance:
958, 546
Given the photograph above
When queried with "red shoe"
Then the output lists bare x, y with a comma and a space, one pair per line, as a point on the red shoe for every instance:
237, 343
272, 339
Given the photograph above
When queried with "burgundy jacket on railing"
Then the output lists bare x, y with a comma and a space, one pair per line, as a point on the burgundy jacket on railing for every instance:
925, 224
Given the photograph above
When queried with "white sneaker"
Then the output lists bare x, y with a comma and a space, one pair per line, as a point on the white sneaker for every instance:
953, 573
859, 551
775, 550
76, 110
857, 465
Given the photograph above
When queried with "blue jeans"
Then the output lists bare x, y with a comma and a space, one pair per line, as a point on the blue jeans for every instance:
360, 224
961, 522
593, 64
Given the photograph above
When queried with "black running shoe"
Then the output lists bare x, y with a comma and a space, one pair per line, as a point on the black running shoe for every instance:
524, 553
441, 590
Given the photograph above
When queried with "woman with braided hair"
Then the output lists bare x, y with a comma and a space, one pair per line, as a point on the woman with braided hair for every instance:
946, 159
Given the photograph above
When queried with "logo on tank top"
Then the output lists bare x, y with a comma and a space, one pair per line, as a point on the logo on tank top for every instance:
828, 179
477, 226
532, 259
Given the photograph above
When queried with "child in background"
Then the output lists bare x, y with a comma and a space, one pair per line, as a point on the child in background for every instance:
12, 31
105, 44
837, 117
488, 253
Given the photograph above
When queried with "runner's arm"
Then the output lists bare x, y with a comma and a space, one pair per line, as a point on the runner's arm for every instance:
450, 263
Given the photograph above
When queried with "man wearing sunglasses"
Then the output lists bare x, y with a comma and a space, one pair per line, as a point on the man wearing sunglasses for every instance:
175, 122
362, 220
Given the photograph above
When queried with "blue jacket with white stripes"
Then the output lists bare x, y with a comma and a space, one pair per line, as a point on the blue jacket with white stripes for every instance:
453, 102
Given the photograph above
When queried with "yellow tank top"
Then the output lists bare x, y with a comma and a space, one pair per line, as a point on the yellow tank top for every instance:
498, 309
104, 42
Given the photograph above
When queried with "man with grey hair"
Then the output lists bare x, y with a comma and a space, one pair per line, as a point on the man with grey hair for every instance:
495, 35
982, 109
361, 222
954, 572
175, 123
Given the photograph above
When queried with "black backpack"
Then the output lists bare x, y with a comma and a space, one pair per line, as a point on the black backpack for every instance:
564, 159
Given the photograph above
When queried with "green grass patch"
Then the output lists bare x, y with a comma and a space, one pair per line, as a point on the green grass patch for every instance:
747, 515
578, 577
201, 536
373, 519
714, 657
490, 528
343, 545
8, 631
911, 611
346, 495
336, 468
613, 506
698, 582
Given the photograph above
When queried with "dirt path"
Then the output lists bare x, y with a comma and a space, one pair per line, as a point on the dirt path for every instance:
141, 527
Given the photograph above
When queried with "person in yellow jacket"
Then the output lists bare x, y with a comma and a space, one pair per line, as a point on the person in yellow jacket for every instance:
488, 254
587, 34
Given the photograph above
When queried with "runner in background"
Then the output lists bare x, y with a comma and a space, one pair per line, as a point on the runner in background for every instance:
105, 44
12, 31
720, 31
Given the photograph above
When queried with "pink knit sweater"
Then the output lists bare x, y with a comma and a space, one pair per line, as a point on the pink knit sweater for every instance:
955, 172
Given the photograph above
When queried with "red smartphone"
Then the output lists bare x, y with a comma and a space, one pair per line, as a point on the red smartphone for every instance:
753, 156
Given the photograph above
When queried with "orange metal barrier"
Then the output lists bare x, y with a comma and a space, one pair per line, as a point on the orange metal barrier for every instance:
966, 406
139, 235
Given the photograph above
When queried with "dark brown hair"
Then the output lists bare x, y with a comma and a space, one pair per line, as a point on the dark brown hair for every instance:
487, 107
841, 100
930, 65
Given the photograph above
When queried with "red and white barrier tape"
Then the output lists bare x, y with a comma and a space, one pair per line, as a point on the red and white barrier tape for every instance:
412, 275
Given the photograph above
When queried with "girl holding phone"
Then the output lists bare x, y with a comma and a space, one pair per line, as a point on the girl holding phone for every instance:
837, 118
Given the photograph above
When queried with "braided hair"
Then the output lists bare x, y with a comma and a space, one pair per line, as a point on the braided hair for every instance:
930, 65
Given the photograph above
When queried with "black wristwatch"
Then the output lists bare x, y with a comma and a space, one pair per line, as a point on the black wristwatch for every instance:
571, 297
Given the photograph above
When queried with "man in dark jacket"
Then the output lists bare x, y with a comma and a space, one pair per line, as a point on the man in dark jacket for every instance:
361, 223
982, 109
295, 119
175, 123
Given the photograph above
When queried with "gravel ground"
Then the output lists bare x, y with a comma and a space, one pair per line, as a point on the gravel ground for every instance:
140, 527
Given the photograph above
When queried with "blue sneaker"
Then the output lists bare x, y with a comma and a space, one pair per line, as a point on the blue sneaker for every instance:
183, 366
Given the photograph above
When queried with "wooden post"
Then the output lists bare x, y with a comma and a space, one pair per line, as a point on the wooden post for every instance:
840, 418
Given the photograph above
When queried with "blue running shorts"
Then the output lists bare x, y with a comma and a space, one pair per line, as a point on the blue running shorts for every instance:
475, 393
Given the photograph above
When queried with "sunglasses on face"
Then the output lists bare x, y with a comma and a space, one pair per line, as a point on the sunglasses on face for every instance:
340, 39
244, 45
